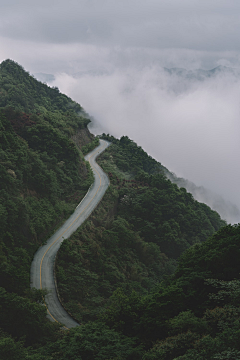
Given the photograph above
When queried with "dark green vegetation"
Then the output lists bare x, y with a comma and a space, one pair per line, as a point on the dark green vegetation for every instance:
147, 275
143, 268
42, 177
133, 239
90, 146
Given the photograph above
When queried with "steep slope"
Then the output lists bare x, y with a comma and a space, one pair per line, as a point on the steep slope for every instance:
43, 176
134, 238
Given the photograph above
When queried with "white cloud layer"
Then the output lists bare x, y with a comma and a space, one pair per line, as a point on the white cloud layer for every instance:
192, 127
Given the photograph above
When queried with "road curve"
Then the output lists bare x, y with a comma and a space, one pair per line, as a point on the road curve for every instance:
42, 268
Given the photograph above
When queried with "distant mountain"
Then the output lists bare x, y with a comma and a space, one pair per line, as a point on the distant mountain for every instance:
200, 74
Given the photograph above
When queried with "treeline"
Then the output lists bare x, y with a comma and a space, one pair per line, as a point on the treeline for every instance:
132, 158
163, 213
22, 91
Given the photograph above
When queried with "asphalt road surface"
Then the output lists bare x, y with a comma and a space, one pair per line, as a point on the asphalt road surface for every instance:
42, 268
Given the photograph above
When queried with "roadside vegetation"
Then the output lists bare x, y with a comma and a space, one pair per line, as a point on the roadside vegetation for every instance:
168, 292
43, 176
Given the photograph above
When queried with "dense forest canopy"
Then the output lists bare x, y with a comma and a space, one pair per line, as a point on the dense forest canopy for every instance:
152, 274
21, 91
122, 271
42, 178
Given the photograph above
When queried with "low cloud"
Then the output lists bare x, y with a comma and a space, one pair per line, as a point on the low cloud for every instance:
190, 124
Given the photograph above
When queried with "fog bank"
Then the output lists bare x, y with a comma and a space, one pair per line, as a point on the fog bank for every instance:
189, 121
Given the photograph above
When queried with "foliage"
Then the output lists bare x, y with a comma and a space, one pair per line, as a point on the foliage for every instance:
116, 267
202, 329
19, 90
160, 211
117, 272
101, 258
90, 146
42, 178
94, 341
11, 350
24, 318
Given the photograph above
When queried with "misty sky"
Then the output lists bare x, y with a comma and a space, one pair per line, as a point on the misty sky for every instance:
109, 56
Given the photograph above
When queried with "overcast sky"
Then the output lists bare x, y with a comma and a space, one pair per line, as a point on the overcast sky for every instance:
194, 33
109, 56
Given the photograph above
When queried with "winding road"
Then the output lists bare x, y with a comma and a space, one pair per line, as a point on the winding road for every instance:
42, 268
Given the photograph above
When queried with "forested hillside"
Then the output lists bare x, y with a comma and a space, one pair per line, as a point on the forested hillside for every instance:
121, 272
147, 275
43, 176
136, 235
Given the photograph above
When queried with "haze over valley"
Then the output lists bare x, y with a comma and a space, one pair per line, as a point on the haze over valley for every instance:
187, 120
